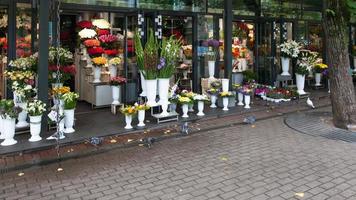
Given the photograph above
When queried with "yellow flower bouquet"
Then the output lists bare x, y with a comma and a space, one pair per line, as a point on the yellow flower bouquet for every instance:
320, 67
185, 100
128, 110
226, 94
99, 61
60, 91
141, 106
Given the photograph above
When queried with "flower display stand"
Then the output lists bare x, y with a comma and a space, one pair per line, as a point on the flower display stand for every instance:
156, 113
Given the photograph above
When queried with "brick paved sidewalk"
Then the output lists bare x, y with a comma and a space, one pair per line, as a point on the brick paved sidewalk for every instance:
269, 161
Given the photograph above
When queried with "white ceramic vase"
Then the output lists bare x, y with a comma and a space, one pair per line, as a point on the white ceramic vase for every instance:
97, 74
69, 121
243, 64
285, 66
240, 98
143, 85
185, 74
84, 52
113, 71
35, 128
354, 63
8, 131
225, 103
151, 91
128, 120
1, 128
172, 108
190, 107
213, 99
317, 79
185, 110
247, 101
225, 84
22, 123
300, 83
200, 108
141, 118
211, 65
163, 84
115, 95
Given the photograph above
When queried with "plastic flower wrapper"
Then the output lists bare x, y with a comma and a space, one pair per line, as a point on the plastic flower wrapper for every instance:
35, 108
141, 106
128, 110
87, 33
101, 24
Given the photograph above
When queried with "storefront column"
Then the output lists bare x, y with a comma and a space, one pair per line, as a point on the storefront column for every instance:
195, 71
43, 56
228, 39
11, 38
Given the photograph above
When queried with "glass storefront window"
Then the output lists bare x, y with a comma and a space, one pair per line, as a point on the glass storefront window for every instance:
285, 8
215, 6
23, 30
244, 7
177, 5
117, 3
3, 47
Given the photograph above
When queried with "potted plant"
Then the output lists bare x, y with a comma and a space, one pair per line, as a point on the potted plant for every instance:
113, 63
116, 83
23, 92
201, 99
240, 95
35, 109
185, 102
318, 69
141, 109
9, 112
246, 90
70, 102
98, 63
306, 60
190, 95
211, 55
173, 98
225, 97
140, 61
128, 111
213, 96
289, 49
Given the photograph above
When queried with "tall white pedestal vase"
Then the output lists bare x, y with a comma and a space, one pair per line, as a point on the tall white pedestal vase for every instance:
97, 74
115, 94
285, 66
1, 128
141, 118
69, 121
185, 110
243, 64
128, 120
173, 108
113, 71
185, 74
200, 108
354, 63
163, 84
225, 84
240, 98
151, 91
9, 131
300, 83
247, 101
190, 107
317, 79
143, 85
225, 103
35, 128
211, 65
22, 116
213, 99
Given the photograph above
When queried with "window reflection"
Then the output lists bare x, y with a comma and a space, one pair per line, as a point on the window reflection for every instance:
23, 30
3, 47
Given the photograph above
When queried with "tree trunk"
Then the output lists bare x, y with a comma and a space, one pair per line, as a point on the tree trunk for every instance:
342, 90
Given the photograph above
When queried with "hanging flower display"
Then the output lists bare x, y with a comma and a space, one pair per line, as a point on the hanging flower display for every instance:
101, 24
86, 33
92, 43
84, 24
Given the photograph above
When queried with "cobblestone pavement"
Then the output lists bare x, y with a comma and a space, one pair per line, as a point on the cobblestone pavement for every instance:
263, 161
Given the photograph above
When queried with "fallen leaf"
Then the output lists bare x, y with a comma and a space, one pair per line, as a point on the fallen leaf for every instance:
59, 169
224, 158
20, 174
299, 194
113, 141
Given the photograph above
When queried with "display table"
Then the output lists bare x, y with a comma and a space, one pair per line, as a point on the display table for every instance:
99, 94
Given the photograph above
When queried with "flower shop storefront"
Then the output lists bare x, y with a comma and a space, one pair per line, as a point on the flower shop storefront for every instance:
160, 56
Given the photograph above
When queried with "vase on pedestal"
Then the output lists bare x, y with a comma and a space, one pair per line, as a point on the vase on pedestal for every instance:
22, 118
163, 84
200, 108
113, 71
128, 120
285, 66
225, 103
115, 94
240, 98
69, 121
185, 110
300, 83
173, 108
143, 85
97, 74
35, 128
151, 92
247, 101
225, 84
211, 65
8, 131
213, 99
191, 107
317, 79
141, 118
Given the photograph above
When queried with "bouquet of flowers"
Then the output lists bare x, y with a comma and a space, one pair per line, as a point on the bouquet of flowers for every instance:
306, 61
186, 93
111, 52
86, 34
21, 76
8, 109
151, 57
101, 24
91, 43
70, 100
184, 100
213, 48
246, 90
60, 91
108, 39
23, 90
188, 51
290, 49
65, 56
35, 108
23, 64
99, 61
226, 94
103, 32
116, 81
281, 93
169, 57
320, 67
128, 110
141, 106
84, 24
95, 51
115, 61
200, 97
216, 84
213, 91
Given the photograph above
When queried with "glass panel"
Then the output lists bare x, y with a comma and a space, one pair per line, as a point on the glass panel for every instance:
215, 6
265, 57
132, 70
3, 48
23, 30
244, 7
117, 3
315, 33
312, 15
287, 35
285, 8
312, 4
301, 32
179, 5
205, 31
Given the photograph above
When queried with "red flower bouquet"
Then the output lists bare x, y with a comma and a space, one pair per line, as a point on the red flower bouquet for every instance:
115, 81
95, 51
111, 52
92, 43
84, 24
103, 32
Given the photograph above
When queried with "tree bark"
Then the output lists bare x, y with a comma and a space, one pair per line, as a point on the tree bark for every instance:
342, 90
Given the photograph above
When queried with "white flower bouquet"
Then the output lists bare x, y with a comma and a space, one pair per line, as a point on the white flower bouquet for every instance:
290, 49
25, 63
87, 33
200, 97
101, 23
35, 108
65, 56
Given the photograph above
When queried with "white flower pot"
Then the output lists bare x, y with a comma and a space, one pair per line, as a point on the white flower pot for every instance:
285, 66
190, 107
185, 74
240, 98
185, 110
151, 91
141, 118
225, 84
22, 117
213, 99
143, 85
247, 101
1, 128
113, 71
128, 120
69, 121
163, 84
9, 131
211, 65
84, 52
225, 103
300, 84
354, 63
115, 95
243, 64
317, 79
200, 108
172, 108
35, 128
97, 74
